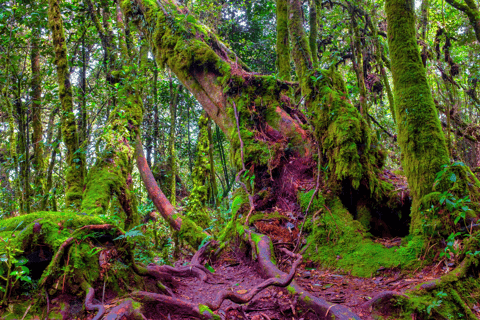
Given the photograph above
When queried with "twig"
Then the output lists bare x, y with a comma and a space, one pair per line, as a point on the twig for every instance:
26, 311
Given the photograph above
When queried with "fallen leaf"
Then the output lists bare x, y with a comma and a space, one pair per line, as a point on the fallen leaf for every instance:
242, 291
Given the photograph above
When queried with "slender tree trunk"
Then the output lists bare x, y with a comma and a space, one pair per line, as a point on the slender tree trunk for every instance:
313, 32
358, 63
283, 41
38, 161
74, 156
213, 180
378, 58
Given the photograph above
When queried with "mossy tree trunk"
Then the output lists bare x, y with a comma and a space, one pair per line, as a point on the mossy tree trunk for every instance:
267, 117
38, 161
75, 159
172, 157
213, 191
283, 41
111, 173
420, 136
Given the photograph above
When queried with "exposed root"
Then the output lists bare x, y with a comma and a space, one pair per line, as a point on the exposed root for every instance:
91, 307
199, 311
166, 273
180, 306
322, 308
241, 299
381, 297
125, 309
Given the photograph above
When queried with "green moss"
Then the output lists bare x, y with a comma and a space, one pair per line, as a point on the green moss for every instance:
283, 41
291, 290
204, 310
339, 241
304, 198
364, 216
191, 232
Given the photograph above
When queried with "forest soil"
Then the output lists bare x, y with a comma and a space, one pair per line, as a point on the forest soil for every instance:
235, 271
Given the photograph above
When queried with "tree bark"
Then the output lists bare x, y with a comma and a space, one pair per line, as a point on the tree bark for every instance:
74, 156
283, 41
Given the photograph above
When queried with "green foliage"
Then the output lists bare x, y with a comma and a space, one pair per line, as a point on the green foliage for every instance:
12, 269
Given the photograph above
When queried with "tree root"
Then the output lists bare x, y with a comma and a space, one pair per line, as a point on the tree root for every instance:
166, 273
199, 310
240, 299
125, 309
91, 307
179, 305
322, 308
382, 296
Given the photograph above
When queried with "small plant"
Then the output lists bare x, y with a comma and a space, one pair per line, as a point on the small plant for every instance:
451, 249
437, 302
12, 269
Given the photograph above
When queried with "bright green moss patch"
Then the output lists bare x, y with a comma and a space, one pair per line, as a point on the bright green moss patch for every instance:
291, 290
204, 310
191, 233
339, 241
56, 227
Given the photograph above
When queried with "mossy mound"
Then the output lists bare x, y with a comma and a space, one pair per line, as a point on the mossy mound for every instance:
91, 258
338, 241
55, 228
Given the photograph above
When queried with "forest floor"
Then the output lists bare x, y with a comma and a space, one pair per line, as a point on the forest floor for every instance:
234, 271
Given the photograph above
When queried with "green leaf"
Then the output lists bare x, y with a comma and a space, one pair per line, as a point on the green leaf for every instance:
209, 268
453, 177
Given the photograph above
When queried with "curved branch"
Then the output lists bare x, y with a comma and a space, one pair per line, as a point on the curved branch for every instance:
158, 197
